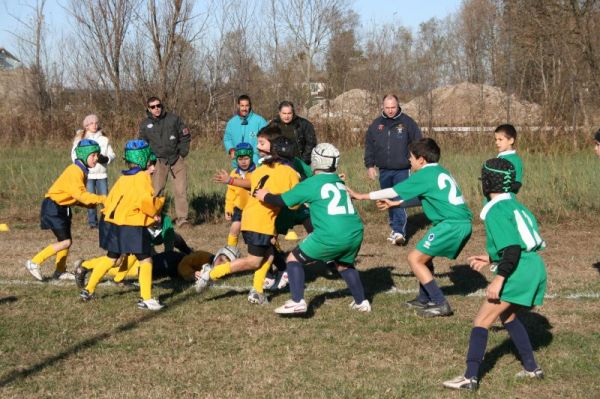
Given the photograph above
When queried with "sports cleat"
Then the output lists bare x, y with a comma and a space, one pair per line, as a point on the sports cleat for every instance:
291, 307
283, 281
63, 276
396, 238
537, 373
204, 281
416, 304
434, 310
86, 296
269, 283
257, 298
461, 382
34, 269
364, 306
80, 274
150, 304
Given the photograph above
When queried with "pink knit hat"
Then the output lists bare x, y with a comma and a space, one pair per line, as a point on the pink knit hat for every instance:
90, 119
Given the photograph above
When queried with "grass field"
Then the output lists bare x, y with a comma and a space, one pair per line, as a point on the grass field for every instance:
217, 345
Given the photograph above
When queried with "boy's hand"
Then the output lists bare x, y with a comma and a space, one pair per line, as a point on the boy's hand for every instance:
261, 193
355, 195
228, 216
478, 262
384, 204
493, 290
221, 176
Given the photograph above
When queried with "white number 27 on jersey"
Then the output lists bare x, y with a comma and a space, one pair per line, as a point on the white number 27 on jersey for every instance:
334, 192
443, 181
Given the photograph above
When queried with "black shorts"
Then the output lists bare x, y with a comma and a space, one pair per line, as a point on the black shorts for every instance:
308, 261
125, 239
258, 244
237, 215
56, 218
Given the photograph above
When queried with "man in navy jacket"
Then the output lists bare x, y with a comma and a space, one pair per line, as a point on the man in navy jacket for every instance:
386, 149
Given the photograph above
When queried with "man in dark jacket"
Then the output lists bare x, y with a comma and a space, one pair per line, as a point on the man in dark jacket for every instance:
169, 139
296, 128
386, 149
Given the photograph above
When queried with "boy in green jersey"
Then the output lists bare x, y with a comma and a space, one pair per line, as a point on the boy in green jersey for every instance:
337, 234
505, 137
445, 206
513, 240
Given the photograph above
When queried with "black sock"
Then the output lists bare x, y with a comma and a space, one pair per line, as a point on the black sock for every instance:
434, 292
352, 279
477, 345
295, 271
519, 337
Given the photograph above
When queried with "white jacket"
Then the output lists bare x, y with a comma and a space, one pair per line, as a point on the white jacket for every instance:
98, 171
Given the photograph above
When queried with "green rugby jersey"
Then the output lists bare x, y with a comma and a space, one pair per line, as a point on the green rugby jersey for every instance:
512, 157
440, 196
331, 211
508, 222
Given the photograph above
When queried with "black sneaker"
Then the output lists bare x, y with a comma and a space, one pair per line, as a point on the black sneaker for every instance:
537, 374
461, 382
416, 304
80, 274
86, 296
434, 310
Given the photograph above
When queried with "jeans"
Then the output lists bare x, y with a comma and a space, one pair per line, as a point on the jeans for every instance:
397, 215
96, 186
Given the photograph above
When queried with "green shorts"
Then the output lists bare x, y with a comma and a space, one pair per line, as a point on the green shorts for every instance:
445, 239
320, 248
288, 218
527, 284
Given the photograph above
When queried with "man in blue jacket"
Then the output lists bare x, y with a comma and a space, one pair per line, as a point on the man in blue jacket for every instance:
386, 149
243, 128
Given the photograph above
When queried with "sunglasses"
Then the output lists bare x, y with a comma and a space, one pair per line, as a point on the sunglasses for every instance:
155, 106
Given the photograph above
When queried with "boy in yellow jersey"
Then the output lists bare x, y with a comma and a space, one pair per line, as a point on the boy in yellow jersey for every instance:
129, 210
258, 221
236, 197
69, 189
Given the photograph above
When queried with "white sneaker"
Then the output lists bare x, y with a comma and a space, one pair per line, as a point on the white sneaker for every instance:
204, 281
461, 382
364, 306
291, 307
396, 238
283, 281
537, 373
150, 304
34, 269
268, 283
63, 276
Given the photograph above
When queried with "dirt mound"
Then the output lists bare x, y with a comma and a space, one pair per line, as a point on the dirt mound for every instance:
353, 105
469, 104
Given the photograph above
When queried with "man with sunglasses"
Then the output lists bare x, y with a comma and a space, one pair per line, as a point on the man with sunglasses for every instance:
169, 139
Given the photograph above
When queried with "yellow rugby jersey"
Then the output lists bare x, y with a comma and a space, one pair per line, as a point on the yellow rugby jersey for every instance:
131, 201
277, 178
192, 263
237, 196
69, 189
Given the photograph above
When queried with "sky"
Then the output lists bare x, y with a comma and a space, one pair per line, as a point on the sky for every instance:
408, 13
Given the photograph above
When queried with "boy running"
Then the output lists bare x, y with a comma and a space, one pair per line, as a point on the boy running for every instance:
444, 205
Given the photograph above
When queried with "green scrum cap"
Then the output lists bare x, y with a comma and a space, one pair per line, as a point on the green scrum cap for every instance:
139, 153
84, 148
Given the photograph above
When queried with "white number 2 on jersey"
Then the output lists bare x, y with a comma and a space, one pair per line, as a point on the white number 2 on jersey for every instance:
333, 191
443, 181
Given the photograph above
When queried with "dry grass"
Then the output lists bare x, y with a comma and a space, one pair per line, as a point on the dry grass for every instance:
218, 345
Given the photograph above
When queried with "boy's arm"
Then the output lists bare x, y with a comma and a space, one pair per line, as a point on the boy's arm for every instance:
221, 176
506, 266
152, 206
76, 188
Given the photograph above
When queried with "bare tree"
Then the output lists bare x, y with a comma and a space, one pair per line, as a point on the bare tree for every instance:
102, 27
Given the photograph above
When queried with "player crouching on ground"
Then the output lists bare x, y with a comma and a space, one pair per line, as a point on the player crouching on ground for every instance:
445, 206
69, 189
512, 241
130, 209
337, 234
258, 220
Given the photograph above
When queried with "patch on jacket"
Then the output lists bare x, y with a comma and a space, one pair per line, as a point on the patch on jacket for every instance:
172, 137
380, 127
149, 125
185, 131
400, 128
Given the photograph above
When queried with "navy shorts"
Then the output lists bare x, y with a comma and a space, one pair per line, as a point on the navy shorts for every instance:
125, 239
237, 215
56, 218
258, 244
